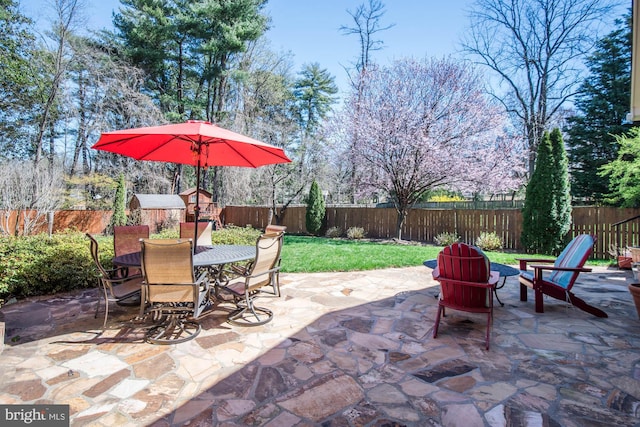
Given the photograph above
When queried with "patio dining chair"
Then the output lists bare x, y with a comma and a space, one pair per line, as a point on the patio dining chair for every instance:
467, 283
250, 281
272, 228
562, 273
114, 285
126, 240
205, 229
170, 290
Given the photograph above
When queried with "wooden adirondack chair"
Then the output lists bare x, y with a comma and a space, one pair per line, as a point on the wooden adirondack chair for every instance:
467, 283
563, 274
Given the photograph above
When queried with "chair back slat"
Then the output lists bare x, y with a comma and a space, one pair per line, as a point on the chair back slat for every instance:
170, 293
463, 263
126, 238
268, 247
167, 261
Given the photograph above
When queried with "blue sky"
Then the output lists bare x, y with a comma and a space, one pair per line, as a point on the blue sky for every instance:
309, 29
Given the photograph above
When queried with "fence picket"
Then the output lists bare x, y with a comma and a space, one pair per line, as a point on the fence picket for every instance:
422, 225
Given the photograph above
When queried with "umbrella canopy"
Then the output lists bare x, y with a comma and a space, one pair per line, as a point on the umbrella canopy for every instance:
196, 143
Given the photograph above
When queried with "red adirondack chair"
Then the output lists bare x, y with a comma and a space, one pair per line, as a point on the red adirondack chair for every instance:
467, 283
562, 273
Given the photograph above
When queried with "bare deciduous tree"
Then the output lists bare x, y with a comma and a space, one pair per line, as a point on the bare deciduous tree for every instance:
56, 62
30, 192
366, 24
536, 49
103, 94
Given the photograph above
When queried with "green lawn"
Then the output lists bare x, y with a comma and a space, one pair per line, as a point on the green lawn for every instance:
301, 254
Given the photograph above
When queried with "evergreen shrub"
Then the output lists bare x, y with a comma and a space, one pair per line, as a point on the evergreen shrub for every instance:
43, 265
315, 209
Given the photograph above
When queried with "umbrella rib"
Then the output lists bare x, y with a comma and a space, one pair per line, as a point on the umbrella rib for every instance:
130, 137
174, 137
214, 141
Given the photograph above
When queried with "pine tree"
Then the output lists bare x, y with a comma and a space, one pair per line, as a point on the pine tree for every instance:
624, 172
315, 209
602, 104
119, 216
561, 195
537, 214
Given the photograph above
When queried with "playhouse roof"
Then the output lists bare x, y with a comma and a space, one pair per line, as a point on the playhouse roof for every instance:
192, 190
160, 201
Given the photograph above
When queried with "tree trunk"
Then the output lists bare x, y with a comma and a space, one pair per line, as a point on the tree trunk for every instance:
402, 218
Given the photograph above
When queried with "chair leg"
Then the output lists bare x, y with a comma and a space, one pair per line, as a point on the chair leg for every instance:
106, 314
246, 312
106, 307
489, 317
276, 284
95, 316
582, 305
174, 330
539, 302
570, 298
435, 327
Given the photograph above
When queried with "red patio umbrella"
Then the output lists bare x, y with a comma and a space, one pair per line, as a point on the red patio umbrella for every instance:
197, 143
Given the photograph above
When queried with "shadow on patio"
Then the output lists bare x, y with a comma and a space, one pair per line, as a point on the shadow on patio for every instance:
343, 349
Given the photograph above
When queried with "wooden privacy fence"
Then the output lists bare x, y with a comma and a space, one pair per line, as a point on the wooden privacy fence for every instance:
422, 225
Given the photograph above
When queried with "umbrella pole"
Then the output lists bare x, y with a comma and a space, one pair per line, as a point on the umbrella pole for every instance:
196, 209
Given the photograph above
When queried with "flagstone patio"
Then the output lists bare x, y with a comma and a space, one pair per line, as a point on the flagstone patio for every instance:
344, 349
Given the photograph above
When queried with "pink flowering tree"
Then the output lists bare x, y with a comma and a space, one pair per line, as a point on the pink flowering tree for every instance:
425, 125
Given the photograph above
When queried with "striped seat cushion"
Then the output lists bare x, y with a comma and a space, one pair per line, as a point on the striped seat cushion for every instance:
573, 256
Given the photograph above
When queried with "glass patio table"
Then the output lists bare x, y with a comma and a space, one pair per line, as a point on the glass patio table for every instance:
211, 259
206, 258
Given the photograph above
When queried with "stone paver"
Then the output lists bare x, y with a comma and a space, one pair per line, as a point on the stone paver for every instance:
344, 349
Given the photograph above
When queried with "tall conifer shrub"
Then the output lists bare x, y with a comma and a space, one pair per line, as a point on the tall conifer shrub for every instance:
315, 209
537, 210
546, 215
119, 216
561, 191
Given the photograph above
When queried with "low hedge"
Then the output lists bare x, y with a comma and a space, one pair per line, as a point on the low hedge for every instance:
43, 265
